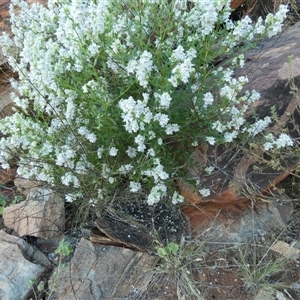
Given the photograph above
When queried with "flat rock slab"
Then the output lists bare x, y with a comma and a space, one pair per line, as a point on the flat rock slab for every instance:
286, 250
103, 272
42, 215
15, 269
30, 253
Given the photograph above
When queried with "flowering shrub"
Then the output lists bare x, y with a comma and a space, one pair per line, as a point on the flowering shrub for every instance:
111, 94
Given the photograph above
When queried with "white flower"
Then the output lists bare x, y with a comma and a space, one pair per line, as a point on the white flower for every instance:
85, 88
100, 194
204, 16
125, 169
135, 113
242, 60
147, 115
159, 141
208, 99
162, 119
178, 54
99, 152
127, 104
241, 81
230, 136
156, 194
113, 151
131, 152
151, 152
87, 134
228, 92
69, 198
140, 140
165, 100
195, 87
283, 140
218, 126
211, 140
93, 48
171, 128
227, 75
82, 166
135, 186
208, 20
209, 170
157, 172
204, 192
71, 109
177, 198
141, 67
259, 26
106, 171
268, 146
243, 28
64, 156
173, 80
183, 71
259, 126
274, 23
69, 179
5, 165
254, 96
151, 135
46, 148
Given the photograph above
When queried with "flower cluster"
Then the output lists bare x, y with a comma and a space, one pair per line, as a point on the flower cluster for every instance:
111, 91
282, 141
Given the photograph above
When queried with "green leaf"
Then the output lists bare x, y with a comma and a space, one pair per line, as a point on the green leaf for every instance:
161, 252
2, 200
173, 247
2, 204
168, 250
64, 248
19, 198
31, 282
41, 286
